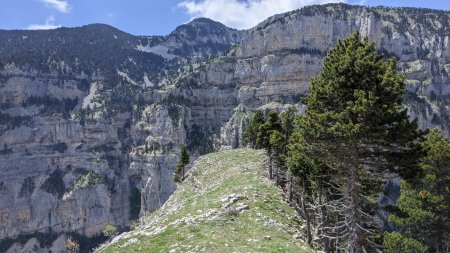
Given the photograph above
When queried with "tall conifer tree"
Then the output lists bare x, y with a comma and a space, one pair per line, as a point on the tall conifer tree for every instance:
183, 160
251, 132
355, 125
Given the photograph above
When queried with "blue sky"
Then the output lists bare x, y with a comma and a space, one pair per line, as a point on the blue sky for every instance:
160, 17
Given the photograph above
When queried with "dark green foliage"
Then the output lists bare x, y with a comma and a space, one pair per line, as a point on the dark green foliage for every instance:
308, 51
54, 184
396, 243
355, 100
288, 126
354, 118
184, 156
251, 131
94, 46
52, 105
121, 98
183, 160
8, 122
87, 180
174, 114
272, 123
110, 231
424, 203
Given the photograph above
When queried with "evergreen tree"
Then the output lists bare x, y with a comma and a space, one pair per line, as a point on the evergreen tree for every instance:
301, 166
183, 160
280, 137
355, 124
251, 132
395, 242
265, 130
288, 123
425, 203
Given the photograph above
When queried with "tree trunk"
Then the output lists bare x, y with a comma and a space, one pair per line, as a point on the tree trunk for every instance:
323, 220
355, 236
270, 164
290, 193
305, 213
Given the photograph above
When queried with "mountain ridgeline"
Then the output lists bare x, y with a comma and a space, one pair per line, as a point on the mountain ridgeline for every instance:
93, 118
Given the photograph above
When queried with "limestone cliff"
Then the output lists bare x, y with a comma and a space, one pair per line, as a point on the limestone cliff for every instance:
277, 58
91, 137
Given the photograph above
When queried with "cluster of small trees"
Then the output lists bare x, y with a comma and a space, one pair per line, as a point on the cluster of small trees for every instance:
354, 135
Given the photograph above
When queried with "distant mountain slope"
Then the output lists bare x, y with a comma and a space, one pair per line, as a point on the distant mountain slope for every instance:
226, 204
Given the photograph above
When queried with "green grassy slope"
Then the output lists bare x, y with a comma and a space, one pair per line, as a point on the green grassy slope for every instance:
225, 205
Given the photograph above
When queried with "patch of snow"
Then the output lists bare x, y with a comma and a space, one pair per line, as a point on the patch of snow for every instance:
159, 50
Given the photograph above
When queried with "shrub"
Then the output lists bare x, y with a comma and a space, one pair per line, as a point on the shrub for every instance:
72, 246
87, 180
395, 242
110, 231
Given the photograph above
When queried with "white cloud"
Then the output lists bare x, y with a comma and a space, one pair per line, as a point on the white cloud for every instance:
243, 14
60, 5
49, 24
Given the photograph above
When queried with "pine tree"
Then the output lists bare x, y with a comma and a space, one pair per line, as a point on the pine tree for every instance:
251, 132
183, 160
395, 242
355, 125
288, 124
425, 203
281, 132
265, 130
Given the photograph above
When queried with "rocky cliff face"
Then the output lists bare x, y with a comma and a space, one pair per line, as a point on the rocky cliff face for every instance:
86, 143
79, 147
277, 58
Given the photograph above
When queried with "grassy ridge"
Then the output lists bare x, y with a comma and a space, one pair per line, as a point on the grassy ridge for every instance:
225, 205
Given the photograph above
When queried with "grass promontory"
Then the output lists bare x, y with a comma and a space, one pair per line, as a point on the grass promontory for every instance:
226, 204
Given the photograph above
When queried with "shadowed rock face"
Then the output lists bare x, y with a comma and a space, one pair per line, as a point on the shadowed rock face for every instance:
96, 101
